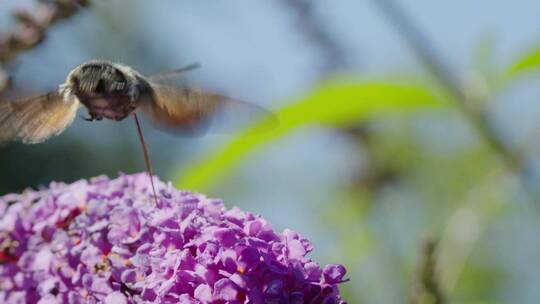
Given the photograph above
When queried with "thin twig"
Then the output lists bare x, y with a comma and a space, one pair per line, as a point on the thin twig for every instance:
146, 157
335, 58
308, 24
431, 58
427, 289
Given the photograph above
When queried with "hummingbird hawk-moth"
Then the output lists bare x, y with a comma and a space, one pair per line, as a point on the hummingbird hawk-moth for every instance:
113, 91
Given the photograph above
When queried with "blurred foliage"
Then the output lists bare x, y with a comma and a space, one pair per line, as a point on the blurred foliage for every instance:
528, 62
334, 104
458, 184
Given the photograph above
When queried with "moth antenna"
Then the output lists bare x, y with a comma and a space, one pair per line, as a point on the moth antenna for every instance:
181, 70
146, 158
187, 68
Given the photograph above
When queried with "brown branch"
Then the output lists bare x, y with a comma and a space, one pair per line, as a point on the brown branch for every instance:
31, 27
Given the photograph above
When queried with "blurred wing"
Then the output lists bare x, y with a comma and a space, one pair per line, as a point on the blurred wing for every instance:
35, 119
189, 110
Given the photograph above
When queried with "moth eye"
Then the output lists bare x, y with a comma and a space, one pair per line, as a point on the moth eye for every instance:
100, 88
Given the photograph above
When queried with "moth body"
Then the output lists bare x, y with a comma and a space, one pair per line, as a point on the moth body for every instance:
107, 90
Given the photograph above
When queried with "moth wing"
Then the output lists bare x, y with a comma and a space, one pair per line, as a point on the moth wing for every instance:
35, 119
189, 110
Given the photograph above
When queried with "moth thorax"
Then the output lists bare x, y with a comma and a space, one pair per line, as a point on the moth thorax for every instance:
96, 79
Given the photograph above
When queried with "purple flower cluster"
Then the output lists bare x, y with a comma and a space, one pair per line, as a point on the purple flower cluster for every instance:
105, 241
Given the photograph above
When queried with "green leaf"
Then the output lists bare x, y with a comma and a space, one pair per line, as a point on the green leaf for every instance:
334, 104
526, 63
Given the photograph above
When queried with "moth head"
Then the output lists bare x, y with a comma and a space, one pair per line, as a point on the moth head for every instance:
94, 79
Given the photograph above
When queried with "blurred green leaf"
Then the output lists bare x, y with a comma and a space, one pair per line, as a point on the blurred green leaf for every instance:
333, 104
526, 63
